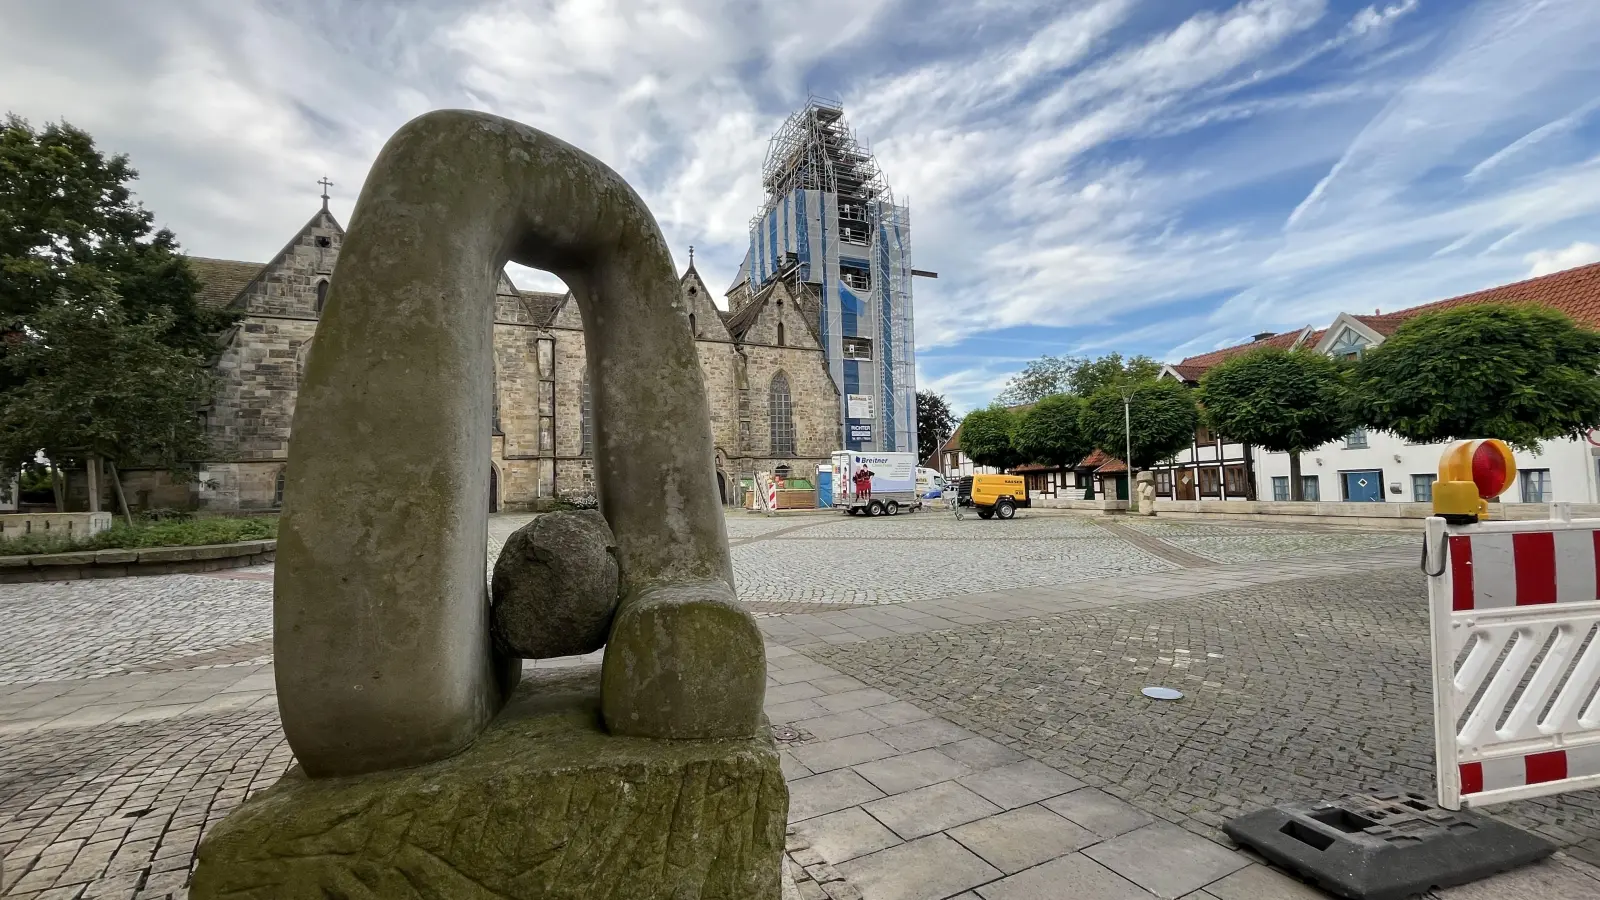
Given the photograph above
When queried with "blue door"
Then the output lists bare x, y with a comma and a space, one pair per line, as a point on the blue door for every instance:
1363, 487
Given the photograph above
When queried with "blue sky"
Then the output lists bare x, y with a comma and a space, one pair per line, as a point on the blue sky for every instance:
1147, 176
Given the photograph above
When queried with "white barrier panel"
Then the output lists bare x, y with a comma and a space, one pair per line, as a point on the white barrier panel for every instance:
1514, 611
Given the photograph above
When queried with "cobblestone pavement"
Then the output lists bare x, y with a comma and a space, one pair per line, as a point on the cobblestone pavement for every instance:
1231, 543
81, 629
925, 555
1295, 691
945, 778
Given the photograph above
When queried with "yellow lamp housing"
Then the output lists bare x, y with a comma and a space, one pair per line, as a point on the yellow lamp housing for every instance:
1470, 474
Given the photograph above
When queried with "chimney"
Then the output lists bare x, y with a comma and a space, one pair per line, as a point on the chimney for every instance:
1263, 335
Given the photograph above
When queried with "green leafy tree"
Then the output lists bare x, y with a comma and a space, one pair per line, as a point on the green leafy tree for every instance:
1285, 401
1521, 373
986, 437
69, 227
1051, 432
1039, 379
93, 384
1090, 376
934, 421
1162, 417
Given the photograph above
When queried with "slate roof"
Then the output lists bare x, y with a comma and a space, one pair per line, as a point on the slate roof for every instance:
1575, 292
221, 280
542, 305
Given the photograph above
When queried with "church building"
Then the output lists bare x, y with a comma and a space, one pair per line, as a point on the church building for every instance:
773, 401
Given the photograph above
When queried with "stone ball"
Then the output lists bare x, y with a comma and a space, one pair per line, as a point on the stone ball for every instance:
555, 586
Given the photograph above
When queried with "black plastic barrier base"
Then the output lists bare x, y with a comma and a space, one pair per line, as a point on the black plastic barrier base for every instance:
1387, 845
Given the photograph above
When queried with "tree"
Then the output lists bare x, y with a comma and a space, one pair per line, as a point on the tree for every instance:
1092, 375
1051, 432
1285, 401
1041, 378
986, 437
934, 421
69, 227
1162, 418
1522, 373
95, 385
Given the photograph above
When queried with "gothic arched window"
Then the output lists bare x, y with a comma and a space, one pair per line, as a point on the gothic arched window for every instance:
780, 334
585, 419
781, 415
277, 490
322, 294
692, 329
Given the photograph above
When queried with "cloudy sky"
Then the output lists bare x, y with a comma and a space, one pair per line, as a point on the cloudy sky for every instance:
1149, 176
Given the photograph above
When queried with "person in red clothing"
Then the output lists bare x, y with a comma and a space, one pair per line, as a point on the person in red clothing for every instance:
864, 484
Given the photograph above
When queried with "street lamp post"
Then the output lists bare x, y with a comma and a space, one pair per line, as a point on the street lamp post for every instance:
1127, 437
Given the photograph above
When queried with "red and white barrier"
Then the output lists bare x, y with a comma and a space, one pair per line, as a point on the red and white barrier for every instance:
1514, 609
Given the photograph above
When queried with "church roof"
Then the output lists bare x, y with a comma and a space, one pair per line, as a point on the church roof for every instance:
542, 305
221, 280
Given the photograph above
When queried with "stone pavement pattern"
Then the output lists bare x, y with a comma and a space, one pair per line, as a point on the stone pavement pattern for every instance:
957, 780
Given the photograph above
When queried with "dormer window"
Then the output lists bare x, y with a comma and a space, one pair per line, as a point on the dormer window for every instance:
1349, 346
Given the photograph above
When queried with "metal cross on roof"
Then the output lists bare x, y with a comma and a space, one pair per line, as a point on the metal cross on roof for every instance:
325, 185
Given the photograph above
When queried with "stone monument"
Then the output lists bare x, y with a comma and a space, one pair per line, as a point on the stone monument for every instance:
424, 768
1145, 493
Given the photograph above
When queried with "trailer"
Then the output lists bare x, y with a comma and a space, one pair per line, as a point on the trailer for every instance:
894, 483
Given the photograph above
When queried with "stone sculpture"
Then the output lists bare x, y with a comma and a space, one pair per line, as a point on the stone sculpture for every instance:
555, 587
388, 672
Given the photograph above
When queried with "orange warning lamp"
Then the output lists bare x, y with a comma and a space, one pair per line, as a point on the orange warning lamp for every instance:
1471, 473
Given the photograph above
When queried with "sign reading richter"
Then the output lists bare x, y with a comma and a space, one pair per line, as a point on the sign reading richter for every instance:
858, 406
860, 433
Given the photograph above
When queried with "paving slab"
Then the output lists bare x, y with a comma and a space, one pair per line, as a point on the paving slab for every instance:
932, 868
1071, 877
1099, 812
846, 834
1166, 860
838, 725
922, 735
933, 808
1258, 882
1022, 838
817, 795
826, 756
907, 772
898, 712
1019, 784
981, 753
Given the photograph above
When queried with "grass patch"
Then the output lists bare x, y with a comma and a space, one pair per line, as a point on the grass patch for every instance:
121, 536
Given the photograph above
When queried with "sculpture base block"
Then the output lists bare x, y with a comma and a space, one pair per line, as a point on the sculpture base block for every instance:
545, 804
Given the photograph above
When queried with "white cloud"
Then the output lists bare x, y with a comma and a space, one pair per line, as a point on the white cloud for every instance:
1579, 253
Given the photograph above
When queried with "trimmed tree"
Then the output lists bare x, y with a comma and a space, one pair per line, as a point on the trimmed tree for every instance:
1284, 401
1111, 370
986, 437
1051, 432
1161, 420
94, 385
1039, 379
934, 421
1521, 373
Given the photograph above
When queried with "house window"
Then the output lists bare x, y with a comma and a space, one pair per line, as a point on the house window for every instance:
1356, 440
1349, 346
1535, 485
1422, 488
781, 416
322, 294
1164, 483
780, 334
1280, 487
277, 489
858, 348
1236, 481
585, 420
1310, 488
1202, 435
1210, 482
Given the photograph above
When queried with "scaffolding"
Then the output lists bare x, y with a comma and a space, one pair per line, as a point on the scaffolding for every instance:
815, 150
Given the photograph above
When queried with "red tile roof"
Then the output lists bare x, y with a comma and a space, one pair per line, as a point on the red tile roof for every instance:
1115, 465
1575, 292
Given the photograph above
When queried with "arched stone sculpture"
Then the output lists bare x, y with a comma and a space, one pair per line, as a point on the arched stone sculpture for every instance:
381, 616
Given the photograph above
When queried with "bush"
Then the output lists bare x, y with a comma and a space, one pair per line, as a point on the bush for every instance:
121, 536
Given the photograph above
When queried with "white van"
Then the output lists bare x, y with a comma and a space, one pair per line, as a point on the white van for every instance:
930, 484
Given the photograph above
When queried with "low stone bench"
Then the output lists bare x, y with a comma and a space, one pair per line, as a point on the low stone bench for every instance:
141, 561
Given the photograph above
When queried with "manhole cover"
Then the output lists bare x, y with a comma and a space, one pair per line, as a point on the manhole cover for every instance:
784, 733
1162, 693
